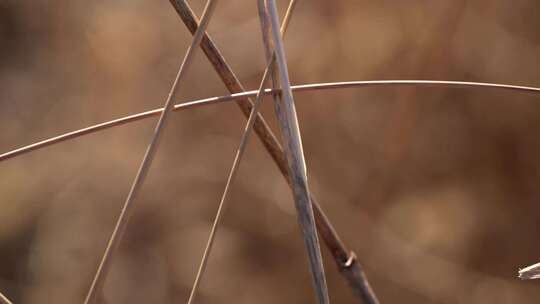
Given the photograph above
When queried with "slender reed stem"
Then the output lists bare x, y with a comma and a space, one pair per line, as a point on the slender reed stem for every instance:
236, 163
288, 123
123, 219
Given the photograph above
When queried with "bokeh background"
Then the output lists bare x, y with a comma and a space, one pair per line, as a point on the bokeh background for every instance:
436, 190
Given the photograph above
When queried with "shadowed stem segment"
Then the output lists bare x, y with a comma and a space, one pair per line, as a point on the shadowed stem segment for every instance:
122, 221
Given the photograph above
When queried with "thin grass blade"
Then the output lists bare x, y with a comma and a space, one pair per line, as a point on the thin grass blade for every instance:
119, 229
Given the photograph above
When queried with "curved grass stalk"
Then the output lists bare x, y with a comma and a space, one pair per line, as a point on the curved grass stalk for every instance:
233, 97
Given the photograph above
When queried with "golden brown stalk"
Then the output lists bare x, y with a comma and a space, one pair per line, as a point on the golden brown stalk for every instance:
248, 94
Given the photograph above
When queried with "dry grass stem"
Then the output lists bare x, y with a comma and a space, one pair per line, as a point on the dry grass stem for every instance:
288, 123
268, 49
248, 94
236, 163
392, 148
122, 221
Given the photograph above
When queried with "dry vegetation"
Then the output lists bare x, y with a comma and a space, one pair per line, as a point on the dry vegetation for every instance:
435, 189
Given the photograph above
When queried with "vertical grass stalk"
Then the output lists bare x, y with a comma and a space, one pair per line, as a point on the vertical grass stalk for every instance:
288, 123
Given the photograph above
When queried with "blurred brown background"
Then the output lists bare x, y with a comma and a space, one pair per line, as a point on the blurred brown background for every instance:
435, 189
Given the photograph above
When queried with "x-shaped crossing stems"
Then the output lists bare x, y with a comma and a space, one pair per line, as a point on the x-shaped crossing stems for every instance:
345, 260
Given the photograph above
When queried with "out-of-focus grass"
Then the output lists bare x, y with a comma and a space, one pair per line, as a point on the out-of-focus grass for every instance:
443, 185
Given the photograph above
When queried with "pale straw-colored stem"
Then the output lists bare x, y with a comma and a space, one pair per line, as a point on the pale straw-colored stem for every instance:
120, 227
247, 94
